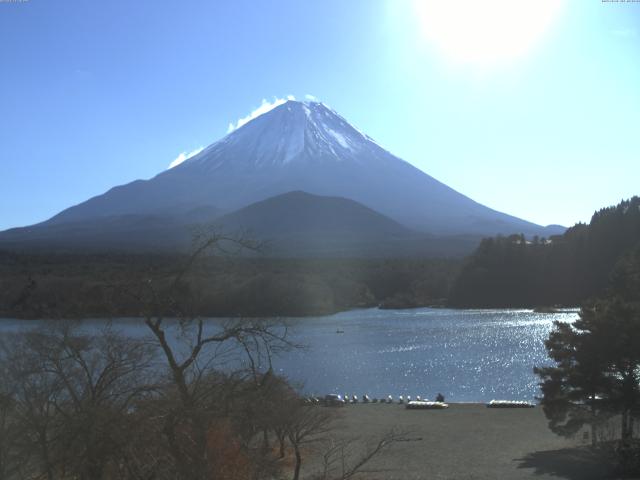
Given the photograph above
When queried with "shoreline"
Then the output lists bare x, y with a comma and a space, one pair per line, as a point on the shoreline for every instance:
95, 317
470, 441
419, 352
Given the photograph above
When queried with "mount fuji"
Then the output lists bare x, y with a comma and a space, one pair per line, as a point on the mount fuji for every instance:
295, 147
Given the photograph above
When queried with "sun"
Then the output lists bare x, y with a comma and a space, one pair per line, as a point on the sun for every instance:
485, 31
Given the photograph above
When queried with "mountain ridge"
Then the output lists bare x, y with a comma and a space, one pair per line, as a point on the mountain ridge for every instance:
301, 146
293, 224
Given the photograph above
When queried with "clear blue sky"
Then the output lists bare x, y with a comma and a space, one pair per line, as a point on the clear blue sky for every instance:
98, 93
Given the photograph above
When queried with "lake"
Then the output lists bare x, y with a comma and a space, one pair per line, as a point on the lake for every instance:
467, 355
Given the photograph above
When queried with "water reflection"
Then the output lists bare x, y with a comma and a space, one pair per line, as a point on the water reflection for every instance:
468, 355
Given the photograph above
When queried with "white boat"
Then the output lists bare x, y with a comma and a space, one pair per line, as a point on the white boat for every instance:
424, 405
509, 404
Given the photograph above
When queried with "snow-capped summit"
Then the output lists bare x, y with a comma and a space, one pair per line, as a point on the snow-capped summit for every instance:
292, 132
302, 146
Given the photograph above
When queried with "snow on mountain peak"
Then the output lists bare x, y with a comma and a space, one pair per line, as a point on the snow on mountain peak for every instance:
300, 146
292, 131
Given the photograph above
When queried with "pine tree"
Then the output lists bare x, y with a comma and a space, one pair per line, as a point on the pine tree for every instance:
597, 371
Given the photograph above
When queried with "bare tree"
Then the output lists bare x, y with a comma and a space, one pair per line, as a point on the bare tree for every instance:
197, 401
345, 458
307, 424
10, 433
73, 398
193, 349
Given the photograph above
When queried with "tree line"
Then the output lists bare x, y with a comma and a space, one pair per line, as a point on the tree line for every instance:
505, 271
513, 271
77, 285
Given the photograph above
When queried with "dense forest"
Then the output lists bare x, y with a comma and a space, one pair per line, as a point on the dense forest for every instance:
511, 271
562, 270
592, 386
78, 285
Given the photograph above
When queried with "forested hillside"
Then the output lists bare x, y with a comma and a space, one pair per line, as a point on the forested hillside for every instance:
562, 270
503, 272
77, 285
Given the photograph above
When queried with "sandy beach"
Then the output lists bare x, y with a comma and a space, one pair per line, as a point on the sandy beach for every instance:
470, 441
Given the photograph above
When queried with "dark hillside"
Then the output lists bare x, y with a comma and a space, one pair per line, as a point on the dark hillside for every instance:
562, 270
79, 285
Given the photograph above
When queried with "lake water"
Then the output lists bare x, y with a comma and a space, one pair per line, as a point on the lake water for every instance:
468, 355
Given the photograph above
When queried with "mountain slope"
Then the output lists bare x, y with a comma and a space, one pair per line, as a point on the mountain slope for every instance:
125, 232
300, 224
294, 224
296, 213
309, 147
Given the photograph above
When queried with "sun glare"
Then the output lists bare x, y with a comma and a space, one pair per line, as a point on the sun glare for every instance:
485, 31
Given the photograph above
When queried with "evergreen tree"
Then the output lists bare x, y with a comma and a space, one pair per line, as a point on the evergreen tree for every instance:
596, 375
564, 270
